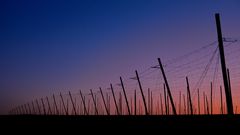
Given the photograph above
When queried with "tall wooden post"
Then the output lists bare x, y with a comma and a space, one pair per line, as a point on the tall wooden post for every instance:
135, 102
229, 82
73, 105
84, 103
224, 71
184, 104
143, 97
104, 101
168, 88
207, 106
199, 109
94, 102
114, 98
204, 103
29, 108
149, 101
125, 96
161, 104
39, 110
65, 109
55, 104
34, 111
180, 102
49, 107
189, 96
165, 99
151, 112
44, 110
120, 103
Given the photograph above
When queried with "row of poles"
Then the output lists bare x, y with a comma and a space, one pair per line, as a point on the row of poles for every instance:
47, 109
150, 105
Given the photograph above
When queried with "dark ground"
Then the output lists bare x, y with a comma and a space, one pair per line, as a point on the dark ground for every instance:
121, 124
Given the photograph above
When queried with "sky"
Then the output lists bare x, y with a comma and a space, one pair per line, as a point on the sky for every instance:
52, 46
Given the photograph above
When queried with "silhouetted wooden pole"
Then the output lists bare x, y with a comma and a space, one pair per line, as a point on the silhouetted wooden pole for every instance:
25, 107
149, 102
109, 108
151, 112
131, 105
165, 99
96, 108
49, 107
34, 111
204, 103
180, 102
143, 97
60, 107
44, 110
221, 101
168, 88
207, 106
135, 102
18, 110
15, 111
189, 96
67, 105
84, 103
104, 101
108, 103
39, 110
229, 82
211, 99
114, 99
184, 104
187, 103
65, 109
223, 64
23, 110
29, 108
199, 108
74, 108
157, 108
94, 102
120, 103
168, 107
88, 106
161, 103
55, 104
75, 104
125, 96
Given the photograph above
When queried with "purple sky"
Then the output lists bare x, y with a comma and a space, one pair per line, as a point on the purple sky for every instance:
49, 47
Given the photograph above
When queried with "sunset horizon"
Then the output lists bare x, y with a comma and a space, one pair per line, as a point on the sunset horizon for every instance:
120, 57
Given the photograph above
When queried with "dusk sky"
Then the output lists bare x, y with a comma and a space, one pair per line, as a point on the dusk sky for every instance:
52, 46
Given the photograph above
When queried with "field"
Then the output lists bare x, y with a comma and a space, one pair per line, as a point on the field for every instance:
121, 124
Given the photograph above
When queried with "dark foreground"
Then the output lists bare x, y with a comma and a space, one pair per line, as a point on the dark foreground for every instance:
121, 124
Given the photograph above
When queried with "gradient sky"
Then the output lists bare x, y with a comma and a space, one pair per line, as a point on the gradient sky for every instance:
49, 46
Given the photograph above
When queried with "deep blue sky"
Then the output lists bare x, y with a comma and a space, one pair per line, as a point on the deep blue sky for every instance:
47, 46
